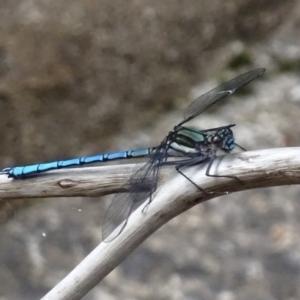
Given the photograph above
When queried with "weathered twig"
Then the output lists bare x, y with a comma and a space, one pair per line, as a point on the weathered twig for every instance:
263, 168
86, 182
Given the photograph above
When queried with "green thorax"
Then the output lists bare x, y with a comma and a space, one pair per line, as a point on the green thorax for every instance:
188, 141
190, 137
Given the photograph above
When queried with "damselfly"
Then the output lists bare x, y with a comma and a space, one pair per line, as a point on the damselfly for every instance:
194, 146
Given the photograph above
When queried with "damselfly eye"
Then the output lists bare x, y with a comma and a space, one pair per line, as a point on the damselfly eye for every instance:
217, 140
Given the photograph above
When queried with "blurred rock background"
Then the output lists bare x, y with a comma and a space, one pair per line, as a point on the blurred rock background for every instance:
85, 77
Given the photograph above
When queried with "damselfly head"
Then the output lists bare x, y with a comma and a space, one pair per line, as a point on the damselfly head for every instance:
223, 139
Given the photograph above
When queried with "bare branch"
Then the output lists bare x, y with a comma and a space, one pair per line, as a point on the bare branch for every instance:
263, 168
86, 182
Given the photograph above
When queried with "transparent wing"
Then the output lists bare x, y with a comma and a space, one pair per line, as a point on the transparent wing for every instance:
142, 184
205, 101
